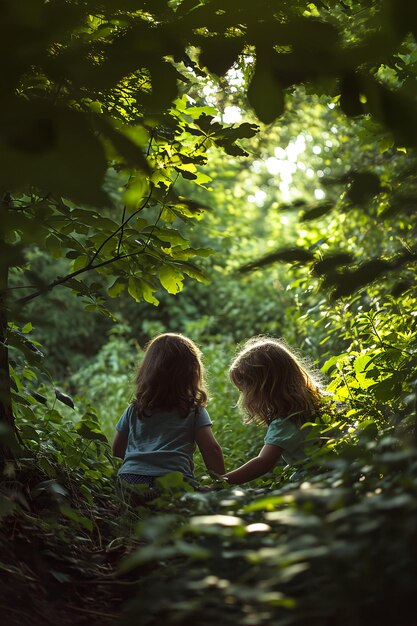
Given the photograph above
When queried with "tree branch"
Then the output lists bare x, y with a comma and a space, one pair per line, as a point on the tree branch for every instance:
90, 265
121, 227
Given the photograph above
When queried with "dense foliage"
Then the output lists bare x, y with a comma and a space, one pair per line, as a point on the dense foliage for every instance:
221, 170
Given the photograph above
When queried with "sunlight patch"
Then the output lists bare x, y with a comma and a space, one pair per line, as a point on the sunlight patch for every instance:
222, 520
258, 527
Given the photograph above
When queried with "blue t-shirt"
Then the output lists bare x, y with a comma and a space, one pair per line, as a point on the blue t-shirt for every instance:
161, 443
285, 434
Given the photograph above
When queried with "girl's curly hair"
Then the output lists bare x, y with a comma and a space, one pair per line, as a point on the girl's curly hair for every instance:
171, 376
274, 383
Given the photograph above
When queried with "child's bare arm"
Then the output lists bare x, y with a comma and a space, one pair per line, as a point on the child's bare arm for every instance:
119, 444
260, 465
210, 450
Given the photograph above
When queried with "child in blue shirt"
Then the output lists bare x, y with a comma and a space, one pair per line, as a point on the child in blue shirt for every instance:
278, 392
159, 431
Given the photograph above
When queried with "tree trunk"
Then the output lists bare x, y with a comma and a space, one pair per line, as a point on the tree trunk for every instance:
8, 439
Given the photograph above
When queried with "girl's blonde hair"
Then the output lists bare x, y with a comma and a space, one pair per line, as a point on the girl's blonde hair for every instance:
171, 376
273, 382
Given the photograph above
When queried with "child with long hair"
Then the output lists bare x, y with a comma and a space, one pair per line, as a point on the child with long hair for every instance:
278, 392
159, 430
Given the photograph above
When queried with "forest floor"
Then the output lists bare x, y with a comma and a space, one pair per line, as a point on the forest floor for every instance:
338, 549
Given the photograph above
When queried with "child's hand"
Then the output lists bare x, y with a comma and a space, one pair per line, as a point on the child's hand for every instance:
206, 488
218, 482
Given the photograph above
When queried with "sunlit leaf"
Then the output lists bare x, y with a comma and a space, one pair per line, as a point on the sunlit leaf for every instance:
171, 279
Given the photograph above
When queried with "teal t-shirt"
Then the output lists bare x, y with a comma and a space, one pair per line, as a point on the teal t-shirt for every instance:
161, 443
285, 434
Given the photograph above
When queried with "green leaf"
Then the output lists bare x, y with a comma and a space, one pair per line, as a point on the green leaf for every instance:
78, 286
148, 292
387, 389
28, 432
216, 520
125, 145
75, 516
47, 467
52, 486
360, 366
134, 287
195, 273
231, 148
386, 143
89, 430
139, 289
62, 397
188, 208
28, 347
80, 262
172, 480
37, 396
171, 279
361, 362
116, 288
170, 235
195, 112
137, 192
243, 131
330, 363
186, 174
155, 552
53, 416
54, 246
270, 503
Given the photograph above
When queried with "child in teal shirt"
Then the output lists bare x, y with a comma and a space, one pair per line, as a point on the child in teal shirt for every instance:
278, 392
159, 431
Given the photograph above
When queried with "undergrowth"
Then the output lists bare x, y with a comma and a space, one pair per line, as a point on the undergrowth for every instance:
335, 547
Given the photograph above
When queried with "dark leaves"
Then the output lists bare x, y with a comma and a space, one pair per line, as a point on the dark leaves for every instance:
350, 93
287, 255
317, 211
226, 136
89, 429
62, 397
219, 53
331, 262
37, 396
364, 186
51, 148
349, 281
265, 94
